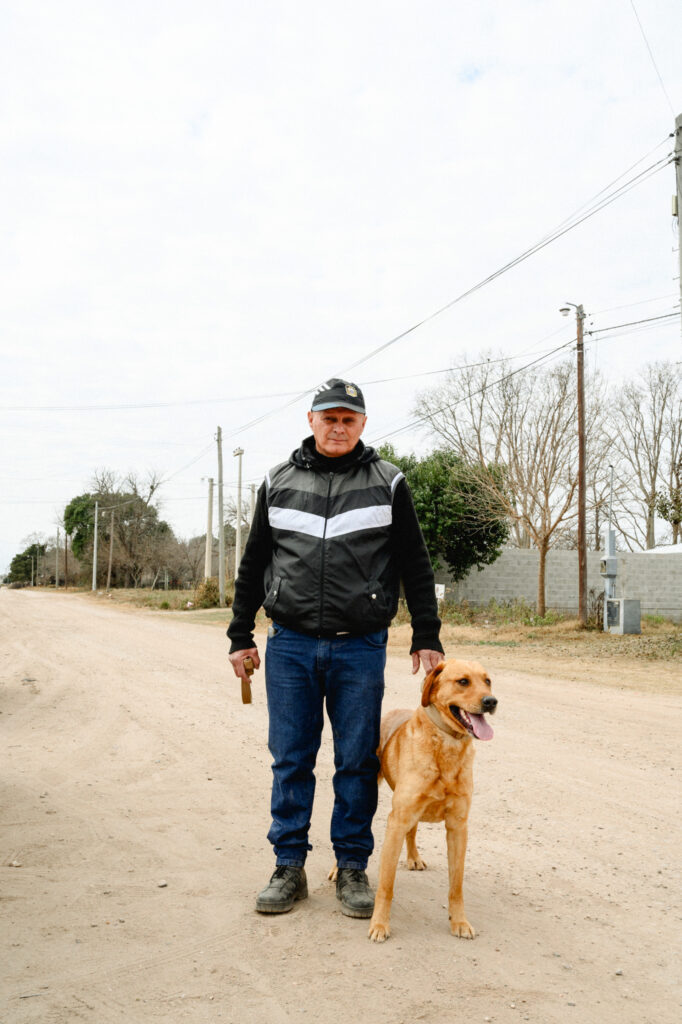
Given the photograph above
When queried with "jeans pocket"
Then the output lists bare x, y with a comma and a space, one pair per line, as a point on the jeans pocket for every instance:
376, 639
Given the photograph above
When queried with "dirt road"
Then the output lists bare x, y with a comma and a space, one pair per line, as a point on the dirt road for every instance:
135, 791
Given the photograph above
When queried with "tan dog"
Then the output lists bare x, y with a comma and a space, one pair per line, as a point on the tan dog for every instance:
427, 758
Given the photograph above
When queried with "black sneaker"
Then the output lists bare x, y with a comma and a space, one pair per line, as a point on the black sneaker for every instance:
352, 888
287, 885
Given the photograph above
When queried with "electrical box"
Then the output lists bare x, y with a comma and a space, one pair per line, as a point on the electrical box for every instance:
622, 615
608, 567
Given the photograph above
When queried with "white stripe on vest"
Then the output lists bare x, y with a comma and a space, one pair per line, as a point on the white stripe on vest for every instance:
346, 522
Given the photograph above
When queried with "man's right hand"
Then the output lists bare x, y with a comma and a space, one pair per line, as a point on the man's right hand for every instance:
237, 661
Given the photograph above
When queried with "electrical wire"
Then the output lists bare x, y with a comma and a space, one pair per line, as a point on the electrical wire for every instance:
653, 59
566, 226
593, 206
471, 394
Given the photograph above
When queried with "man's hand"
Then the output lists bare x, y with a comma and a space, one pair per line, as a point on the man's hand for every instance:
237, 661
429, 660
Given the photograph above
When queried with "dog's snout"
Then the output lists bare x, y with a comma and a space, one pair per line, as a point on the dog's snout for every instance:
489, 704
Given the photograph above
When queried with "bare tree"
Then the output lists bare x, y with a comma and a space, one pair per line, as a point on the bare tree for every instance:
647, 427
190, 557
518, 432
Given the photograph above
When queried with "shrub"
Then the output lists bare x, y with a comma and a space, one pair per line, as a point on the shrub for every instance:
207, 594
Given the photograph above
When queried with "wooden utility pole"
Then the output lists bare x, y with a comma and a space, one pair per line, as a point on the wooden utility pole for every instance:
208, 557
238, 452
678, 193
582, 533
582, 488
221, 521
111, 549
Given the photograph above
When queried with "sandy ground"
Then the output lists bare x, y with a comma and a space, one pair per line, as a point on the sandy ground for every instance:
134, 806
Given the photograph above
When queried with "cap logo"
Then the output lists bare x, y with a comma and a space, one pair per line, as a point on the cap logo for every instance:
351, 391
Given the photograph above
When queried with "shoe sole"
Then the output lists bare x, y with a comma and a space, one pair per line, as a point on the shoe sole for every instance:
270, 908
353, 911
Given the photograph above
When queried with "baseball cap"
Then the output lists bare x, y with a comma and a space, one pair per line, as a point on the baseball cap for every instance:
336, 393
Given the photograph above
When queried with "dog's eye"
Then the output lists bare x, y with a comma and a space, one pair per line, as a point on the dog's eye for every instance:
488, 683
463, 682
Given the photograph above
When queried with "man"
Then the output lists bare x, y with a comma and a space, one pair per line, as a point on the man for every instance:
334, 533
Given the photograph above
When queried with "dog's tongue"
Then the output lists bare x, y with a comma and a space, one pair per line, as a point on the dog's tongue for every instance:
482, 731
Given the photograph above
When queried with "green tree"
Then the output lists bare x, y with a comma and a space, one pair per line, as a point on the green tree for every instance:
458, 525
22, 564
79, 522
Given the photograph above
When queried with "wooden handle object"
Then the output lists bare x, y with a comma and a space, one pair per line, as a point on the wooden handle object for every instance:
246, 683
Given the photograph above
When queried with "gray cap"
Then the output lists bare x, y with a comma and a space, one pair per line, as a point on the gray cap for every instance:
338, 394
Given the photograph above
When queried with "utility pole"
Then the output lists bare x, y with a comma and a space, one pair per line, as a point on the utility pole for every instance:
582, 487
238, 452
582, 533
253, 503
32, 583
94, 549
221, 521
111, 549
56, 563
208, 558
66, 559
678, 194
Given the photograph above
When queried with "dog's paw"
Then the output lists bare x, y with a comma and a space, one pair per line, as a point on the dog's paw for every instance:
462, 929
416, 864
378, 932
333, 873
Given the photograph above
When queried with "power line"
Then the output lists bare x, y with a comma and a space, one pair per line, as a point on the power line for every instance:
634, 323
653, 59
480, 391
566, 226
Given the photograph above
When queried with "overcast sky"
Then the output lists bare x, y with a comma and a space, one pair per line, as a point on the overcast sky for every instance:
218, 202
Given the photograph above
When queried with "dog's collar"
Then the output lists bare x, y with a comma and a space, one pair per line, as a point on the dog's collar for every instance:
435, 717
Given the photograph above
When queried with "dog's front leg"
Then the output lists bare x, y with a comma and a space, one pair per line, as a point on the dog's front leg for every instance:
456, 830
400, 821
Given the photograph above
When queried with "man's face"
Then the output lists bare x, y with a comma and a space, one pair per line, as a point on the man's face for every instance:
336, 431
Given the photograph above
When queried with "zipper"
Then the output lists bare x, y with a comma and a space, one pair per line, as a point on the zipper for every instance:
322, 559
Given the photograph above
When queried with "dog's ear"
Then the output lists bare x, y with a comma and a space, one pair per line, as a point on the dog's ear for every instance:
430, 682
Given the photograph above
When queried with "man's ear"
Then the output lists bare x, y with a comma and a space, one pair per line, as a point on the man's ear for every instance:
430, 682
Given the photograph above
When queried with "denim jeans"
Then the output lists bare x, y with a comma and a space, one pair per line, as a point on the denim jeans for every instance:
301, 674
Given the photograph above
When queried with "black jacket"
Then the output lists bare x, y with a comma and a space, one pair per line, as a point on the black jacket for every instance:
330, 542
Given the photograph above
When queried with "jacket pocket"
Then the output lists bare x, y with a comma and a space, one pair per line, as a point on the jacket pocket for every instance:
272, 596
377, 607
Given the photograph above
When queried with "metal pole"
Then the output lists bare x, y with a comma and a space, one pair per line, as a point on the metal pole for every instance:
94, 550
208, 558
56, 563
238, 452
253, 503
582, 534
111, 549
221, 522
32, 583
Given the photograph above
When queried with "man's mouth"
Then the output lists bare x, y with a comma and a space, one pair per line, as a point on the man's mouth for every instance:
475, 725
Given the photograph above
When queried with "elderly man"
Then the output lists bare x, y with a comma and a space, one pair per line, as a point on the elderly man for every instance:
334, 533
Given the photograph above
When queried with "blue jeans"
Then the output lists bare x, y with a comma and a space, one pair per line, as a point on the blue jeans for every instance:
301, 673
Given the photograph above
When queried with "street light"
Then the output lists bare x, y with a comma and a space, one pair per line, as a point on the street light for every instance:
582, 535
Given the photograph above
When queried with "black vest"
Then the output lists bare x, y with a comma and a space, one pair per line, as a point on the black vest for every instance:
333, 569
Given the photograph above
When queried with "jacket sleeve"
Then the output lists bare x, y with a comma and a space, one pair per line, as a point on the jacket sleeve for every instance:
416, 572
250, 588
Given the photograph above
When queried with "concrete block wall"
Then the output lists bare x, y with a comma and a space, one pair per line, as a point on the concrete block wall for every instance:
655, 579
